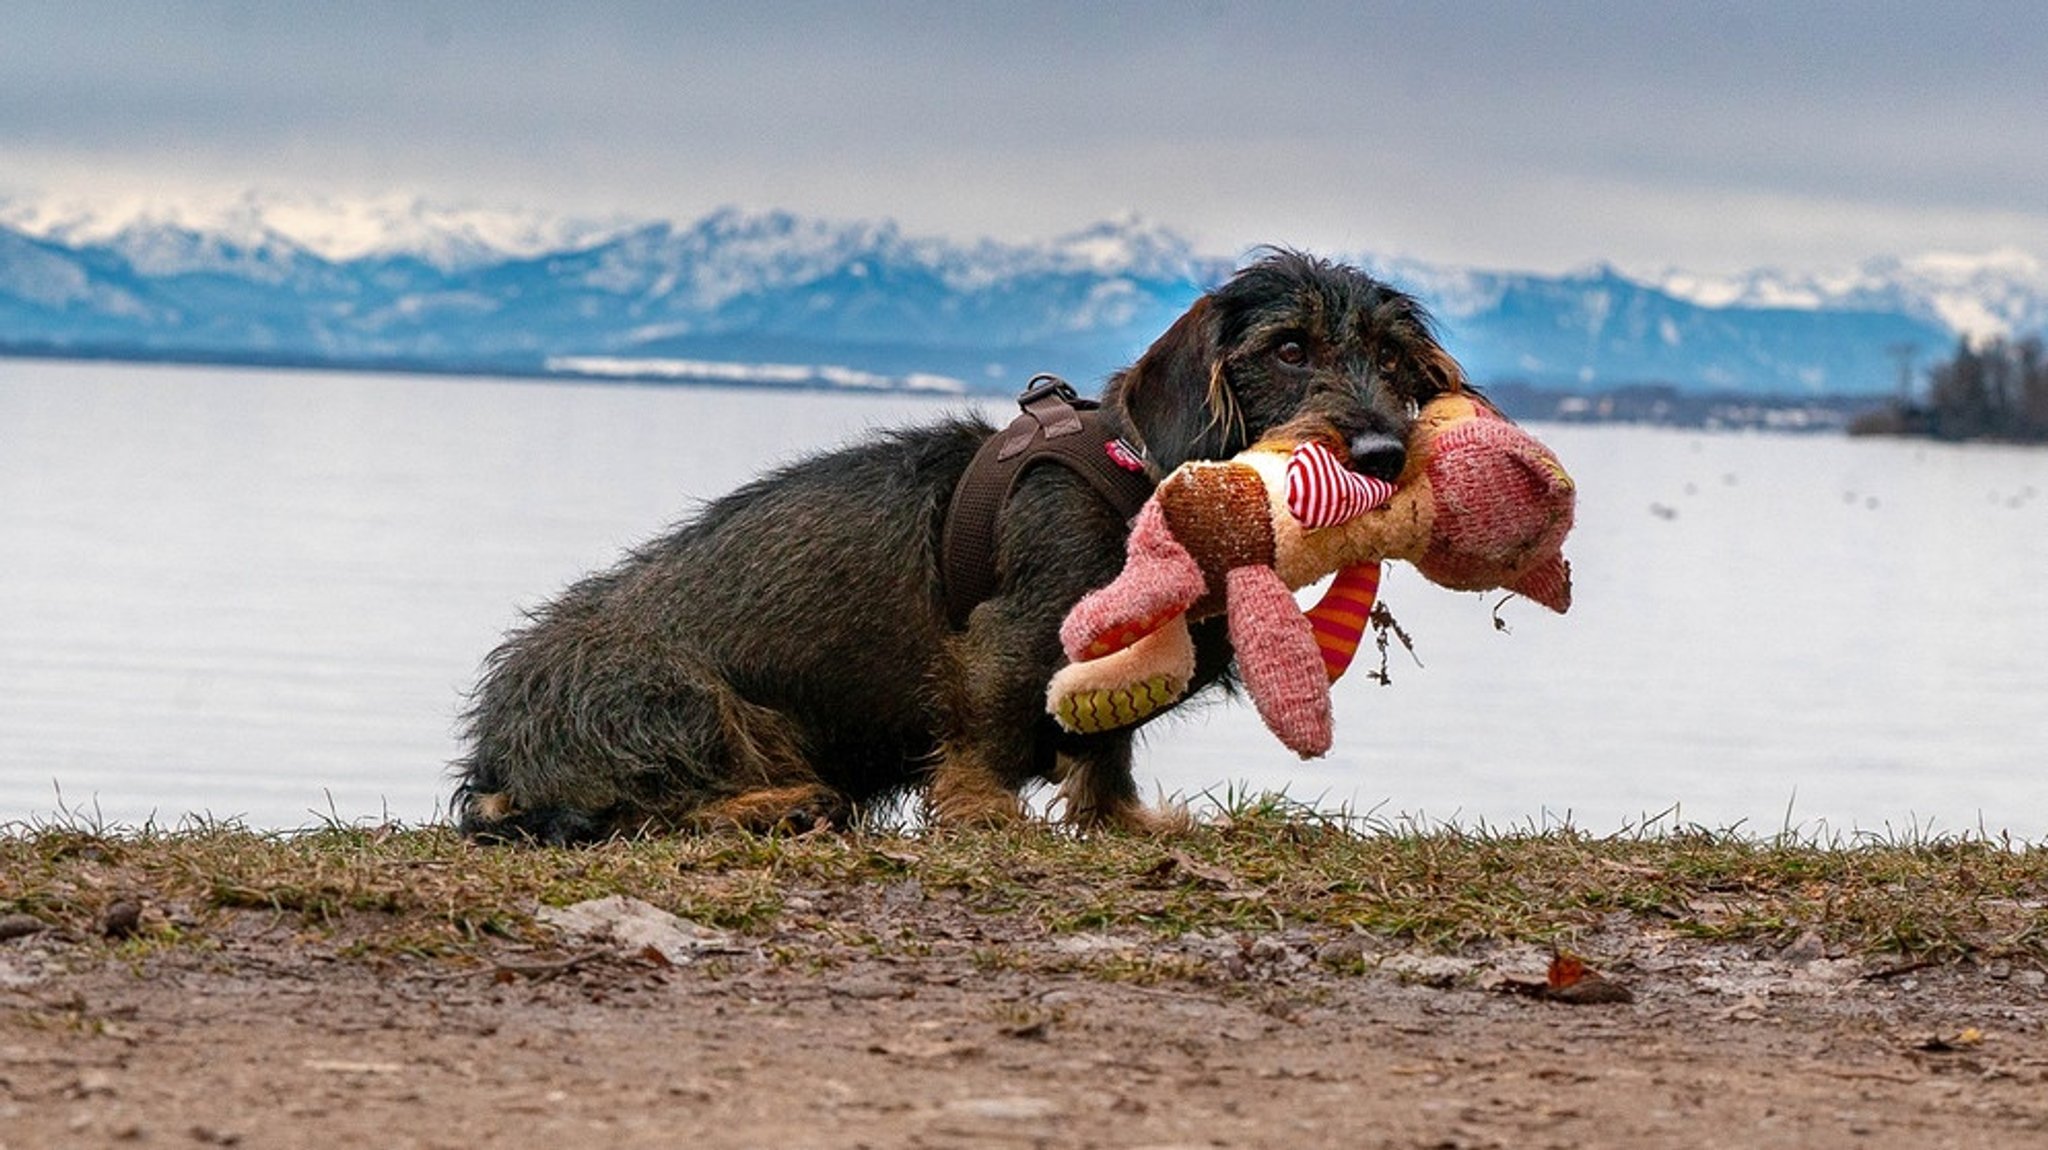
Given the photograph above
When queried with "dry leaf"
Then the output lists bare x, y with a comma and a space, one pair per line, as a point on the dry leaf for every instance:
1566, 970
1187, 869
1570, 980
1967, 1037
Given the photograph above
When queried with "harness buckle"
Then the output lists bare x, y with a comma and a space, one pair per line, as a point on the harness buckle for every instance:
1046, 385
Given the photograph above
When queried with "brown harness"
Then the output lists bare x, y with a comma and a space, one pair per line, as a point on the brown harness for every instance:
1056, 426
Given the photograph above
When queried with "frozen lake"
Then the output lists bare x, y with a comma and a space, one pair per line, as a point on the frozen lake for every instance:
262, 593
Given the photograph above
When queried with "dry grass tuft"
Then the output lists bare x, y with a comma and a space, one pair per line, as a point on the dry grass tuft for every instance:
1250, 865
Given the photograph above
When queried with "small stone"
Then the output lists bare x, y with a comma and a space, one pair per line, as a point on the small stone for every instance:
1806, 948
899, 895
1011, 1108
20, 926
1592, 990
2031, 979
871, 989
122, 918
1349, 951
633, 926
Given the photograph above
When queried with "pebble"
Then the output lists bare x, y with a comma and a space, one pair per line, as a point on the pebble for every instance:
870, 989
20, 926
1806, 948
1013, 1107
1343, 951
899, 895
122, 920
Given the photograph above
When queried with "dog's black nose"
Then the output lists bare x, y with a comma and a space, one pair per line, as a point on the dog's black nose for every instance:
1377, 455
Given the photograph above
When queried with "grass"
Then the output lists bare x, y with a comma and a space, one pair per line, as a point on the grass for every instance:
1251, 864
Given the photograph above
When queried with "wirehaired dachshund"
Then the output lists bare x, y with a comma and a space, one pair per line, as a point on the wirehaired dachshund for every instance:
786, 657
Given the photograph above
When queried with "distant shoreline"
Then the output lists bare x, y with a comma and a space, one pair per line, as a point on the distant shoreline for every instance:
1654, 404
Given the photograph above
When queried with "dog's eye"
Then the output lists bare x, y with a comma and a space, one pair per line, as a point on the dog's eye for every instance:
1291, 353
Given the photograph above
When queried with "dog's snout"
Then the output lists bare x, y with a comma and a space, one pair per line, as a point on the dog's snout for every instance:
1378, 455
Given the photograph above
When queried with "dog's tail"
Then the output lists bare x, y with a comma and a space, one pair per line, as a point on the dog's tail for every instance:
570, 742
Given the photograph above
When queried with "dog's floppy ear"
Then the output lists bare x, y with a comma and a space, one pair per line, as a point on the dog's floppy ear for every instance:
1176, 398
1443, 373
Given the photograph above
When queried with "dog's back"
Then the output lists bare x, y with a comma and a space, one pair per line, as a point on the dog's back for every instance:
767, 643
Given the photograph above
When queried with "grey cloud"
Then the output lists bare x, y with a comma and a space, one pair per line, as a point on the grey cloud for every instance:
1502, 132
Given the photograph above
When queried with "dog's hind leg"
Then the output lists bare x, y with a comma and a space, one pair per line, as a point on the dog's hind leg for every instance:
797, 808
576, 736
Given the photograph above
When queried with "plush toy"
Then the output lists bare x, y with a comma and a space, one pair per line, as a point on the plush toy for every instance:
1481, 505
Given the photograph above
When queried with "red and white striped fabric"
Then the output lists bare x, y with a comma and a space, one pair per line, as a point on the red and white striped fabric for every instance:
1322, 492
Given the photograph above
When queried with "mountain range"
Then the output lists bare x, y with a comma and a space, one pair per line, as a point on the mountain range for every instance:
772, 297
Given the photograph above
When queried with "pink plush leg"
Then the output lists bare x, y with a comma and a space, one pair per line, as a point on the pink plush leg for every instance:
1339, 617
1278, 660
1160, 580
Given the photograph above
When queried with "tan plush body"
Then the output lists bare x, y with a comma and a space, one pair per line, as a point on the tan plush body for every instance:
1480, 505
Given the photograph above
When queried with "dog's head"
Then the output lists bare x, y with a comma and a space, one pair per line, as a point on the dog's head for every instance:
1291, 343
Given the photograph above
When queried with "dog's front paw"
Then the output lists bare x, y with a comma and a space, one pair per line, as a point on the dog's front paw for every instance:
979, 812
965, 794
791, 809
1130, 817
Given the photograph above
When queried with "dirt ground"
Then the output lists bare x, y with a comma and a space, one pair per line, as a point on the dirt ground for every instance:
968, 1030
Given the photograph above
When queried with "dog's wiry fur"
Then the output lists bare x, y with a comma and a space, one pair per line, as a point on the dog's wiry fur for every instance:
785, 657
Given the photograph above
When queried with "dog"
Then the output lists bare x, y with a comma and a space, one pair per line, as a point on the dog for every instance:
786, 658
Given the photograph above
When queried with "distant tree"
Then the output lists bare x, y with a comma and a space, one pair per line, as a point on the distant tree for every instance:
1995, 391
2032, 402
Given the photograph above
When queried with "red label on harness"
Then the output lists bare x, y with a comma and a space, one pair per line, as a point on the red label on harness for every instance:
1123, 455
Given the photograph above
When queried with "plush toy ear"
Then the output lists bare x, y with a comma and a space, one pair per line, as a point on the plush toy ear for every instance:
1549, 584
1503, 502
1159, 582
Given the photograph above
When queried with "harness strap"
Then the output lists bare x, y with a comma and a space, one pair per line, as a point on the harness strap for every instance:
1056, 426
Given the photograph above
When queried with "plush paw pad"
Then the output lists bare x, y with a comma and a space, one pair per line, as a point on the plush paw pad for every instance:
1091, 712
1124, 635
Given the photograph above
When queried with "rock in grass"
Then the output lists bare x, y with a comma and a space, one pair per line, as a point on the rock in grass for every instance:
633, 926
122, 919
20, 926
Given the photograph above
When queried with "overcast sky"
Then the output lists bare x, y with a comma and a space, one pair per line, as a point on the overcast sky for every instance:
1532, 136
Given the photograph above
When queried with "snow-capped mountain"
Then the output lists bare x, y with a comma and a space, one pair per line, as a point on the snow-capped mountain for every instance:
446, 236
1998, 293
406, 282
